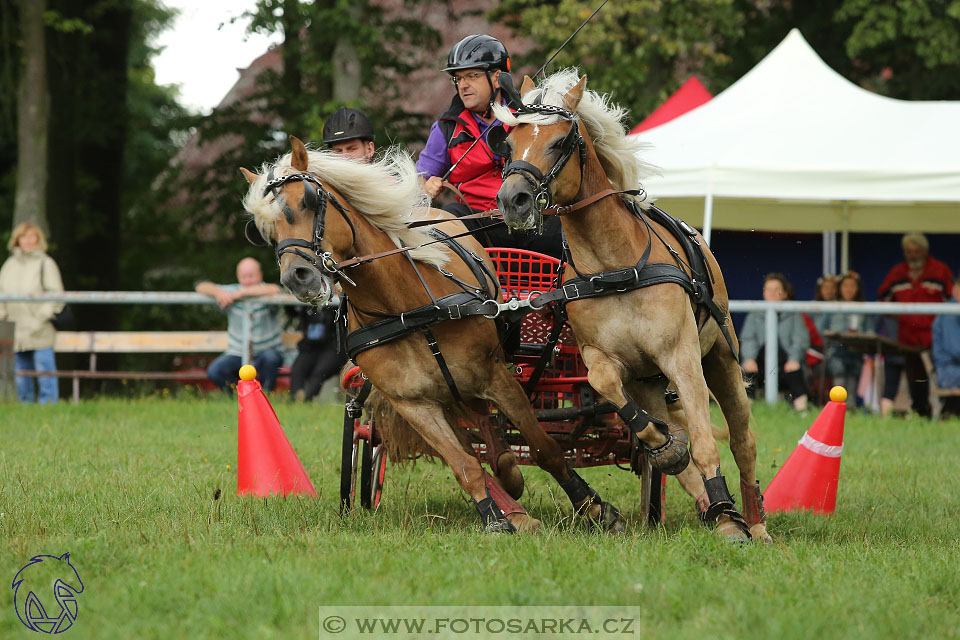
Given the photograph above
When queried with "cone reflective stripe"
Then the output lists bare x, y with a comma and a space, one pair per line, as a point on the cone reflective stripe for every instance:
266, 462
809, 477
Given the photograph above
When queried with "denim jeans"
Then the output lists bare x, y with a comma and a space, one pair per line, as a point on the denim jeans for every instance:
225, 369
46, 387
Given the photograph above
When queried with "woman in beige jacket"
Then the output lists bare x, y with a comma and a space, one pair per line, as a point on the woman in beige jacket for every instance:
30, 270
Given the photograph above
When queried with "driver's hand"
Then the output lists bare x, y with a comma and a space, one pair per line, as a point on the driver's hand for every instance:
432, 186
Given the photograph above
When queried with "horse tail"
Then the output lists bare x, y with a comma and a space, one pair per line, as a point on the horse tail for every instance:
402, 441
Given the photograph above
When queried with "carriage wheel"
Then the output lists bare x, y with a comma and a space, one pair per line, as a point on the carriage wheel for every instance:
348, 463
652, 488
373, 468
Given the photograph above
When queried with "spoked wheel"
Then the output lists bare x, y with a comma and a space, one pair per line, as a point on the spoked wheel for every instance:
652, 488
373, 468
363, 457
348, 462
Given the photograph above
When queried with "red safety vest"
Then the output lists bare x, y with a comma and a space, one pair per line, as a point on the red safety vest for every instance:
478, 174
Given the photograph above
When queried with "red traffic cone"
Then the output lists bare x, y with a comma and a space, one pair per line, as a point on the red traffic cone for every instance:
266, 461
809, 477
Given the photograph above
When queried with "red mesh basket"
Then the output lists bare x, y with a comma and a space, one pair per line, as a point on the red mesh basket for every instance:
523, 272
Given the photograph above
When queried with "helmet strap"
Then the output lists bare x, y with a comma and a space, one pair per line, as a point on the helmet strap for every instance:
493, 96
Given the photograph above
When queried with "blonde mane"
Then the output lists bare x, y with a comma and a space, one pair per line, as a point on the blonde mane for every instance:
604, 123
387, 193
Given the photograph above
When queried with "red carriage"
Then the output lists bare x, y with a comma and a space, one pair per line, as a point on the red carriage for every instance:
548, 365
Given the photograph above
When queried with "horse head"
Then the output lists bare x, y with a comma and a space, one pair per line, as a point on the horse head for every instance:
538, 172
289, 211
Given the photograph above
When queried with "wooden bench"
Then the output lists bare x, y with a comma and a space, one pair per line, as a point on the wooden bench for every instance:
95, 342
936, 393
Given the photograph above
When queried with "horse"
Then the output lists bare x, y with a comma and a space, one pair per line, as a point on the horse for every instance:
415, 304
644, 312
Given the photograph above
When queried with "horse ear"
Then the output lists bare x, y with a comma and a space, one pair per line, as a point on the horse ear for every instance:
572, 100
527, 85
249, 175
299, 159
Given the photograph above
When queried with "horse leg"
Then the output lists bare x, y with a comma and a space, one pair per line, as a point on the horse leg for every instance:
430, 423
682, 365
666, 407
509, 396
723, 374
503, 461
665, 446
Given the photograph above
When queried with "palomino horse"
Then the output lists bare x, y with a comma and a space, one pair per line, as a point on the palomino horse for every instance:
416, 318
665, 320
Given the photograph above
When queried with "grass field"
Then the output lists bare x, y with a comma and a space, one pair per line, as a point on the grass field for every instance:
127, 487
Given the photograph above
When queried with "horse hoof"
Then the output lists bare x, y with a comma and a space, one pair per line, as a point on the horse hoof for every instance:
509, 475
523, 523
672, 456
732, 532
602, 517
610, 519
759, 534
499, 526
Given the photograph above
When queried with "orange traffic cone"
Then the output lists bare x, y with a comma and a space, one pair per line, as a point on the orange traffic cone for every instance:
266, 462
809, 477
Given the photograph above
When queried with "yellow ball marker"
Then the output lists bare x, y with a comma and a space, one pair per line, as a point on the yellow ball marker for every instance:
248, 372
838, 394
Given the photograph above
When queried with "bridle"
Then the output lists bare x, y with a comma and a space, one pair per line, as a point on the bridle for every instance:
539, 181
315, 199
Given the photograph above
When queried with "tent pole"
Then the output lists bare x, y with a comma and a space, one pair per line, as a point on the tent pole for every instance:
829, 252
707, 217
844, 251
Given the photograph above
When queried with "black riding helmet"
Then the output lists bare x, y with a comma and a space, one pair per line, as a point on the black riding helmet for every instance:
478, 51
347, 124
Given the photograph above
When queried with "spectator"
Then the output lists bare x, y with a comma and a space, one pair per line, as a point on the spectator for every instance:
349, 133
843, 364
30, 270
475, 64
946, 353
919, 278
317, 353
265, 325
826, 292
794, 339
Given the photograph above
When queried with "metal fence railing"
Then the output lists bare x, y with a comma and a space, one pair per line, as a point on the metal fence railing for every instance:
770, 309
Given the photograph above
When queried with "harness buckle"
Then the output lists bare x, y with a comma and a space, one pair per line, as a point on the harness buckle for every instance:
568, 296
451, 310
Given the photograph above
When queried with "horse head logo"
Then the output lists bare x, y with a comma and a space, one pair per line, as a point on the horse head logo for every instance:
36, 580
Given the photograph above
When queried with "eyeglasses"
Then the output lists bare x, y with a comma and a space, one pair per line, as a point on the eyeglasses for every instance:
469, 77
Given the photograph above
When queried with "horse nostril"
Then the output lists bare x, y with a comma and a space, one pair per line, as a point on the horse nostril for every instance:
522, 200
302, 274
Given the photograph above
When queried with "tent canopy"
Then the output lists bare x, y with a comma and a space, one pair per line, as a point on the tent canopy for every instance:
690, 95
794, 146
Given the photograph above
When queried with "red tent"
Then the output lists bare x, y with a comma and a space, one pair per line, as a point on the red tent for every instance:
689, 96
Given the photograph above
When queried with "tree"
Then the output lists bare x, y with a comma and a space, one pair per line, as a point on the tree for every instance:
639, 50
33, 108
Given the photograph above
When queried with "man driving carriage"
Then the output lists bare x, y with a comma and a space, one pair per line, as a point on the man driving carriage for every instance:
457, 150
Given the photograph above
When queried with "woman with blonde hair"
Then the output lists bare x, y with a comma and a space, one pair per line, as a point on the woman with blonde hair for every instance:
30, 270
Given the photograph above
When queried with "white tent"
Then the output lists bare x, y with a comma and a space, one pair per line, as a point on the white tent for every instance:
794, 146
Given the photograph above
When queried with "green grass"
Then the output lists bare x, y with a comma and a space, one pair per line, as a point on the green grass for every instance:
127, 488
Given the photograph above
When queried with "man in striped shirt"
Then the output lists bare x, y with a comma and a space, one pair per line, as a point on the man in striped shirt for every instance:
260, 323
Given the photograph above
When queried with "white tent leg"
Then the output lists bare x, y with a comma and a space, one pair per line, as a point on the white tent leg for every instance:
707, 217
844, 251
829, 252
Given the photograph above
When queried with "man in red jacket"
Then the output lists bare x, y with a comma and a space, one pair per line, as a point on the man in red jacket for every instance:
919, 278
475, 64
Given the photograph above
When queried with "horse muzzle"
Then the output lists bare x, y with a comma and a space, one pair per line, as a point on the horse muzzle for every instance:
517, 203
307, 283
